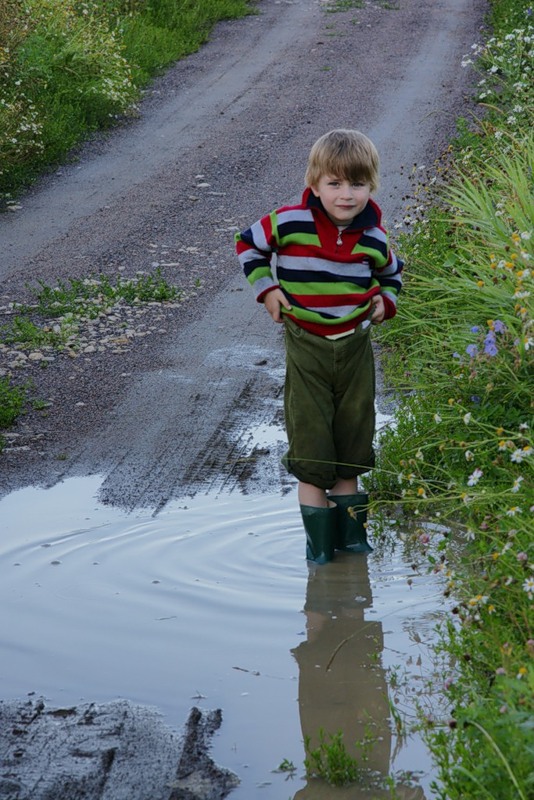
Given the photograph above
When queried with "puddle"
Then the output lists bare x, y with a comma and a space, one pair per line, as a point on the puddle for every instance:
212, 603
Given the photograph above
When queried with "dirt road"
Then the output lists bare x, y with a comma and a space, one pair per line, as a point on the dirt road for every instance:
220, 139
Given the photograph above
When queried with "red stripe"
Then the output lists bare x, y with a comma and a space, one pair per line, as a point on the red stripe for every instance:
317, 301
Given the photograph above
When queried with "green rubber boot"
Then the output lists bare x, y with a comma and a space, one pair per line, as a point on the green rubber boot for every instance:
351, 518
320, 525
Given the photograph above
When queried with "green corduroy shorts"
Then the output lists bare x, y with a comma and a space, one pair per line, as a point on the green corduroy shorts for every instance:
329, 405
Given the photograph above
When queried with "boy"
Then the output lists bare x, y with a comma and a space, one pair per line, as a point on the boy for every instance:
335, 276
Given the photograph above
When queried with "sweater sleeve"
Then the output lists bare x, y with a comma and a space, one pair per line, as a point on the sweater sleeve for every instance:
390, 280
255, 247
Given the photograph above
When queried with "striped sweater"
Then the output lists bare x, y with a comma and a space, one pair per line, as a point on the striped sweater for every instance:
328, 276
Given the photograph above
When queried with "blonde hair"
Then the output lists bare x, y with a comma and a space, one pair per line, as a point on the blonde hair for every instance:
346, 154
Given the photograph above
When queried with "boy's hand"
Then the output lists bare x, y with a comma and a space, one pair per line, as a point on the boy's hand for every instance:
274, 300
379, 310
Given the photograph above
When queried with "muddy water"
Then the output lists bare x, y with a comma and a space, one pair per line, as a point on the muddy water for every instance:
212, 603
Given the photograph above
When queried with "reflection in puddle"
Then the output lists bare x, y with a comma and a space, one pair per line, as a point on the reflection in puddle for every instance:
212, 603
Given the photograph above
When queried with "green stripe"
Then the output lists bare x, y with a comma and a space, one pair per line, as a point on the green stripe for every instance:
317, 289
376, 255
308, 239
258, 273
315, 316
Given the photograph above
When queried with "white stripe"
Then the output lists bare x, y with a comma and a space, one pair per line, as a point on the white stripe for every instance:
263, 284
299, 264
258, 235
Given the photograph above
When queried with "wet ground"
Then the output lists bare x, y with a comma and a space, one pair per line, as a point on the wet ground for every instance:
212, 603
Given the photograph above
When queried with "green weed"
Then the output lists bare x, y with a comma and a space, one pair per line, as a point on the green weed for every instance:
11, 402
343, 5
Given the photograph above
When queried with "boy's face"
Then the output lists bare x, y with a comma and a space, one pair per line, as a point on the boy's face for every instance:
342, 199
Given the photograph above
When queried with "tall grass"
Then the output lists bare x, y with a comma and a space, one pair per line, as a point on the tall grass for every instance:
460, 356
69, 67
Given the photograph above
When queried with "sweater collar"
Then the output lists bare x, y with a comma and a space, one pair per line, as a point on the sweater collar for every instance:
370, 217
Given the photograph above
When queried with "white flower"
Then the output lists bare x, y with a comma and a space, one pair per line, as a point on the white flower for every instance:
467, 418
517, 484
475, 477
526, 235
437, 418
469, 455
528, 586
517, 456
513, 511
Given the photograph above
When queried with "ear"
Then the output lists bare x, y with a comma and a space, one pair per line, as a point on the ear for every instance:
315, 191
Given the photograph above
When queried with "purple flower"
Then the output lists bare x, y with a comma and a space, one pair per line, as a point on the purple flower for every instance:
499, 327
475, 329
471, 350
490, 345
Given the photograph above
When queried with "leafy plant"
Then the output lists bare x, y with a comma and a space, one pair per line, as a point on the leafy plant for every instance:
330, 760
11, 402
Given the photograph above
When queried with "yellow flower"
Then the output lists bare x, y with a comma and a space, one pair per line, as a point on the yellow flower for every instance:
499, 431
480, 283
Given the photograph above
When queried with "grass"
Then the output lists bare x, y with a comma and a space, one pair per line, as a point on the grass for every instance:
68, 69
56, 320
459, 356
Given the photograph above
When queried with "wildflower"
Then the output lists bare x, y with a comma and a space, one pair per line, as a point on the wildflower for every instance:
519, 455
517, 484
475, 329
499, 327
469, 455
421, 492
528, 586
471, 350
513, 511
475, 477
522, 557
490, 345
521, 673
467, 418
523, 426
500, 671
419, 455
437, 418
526, 235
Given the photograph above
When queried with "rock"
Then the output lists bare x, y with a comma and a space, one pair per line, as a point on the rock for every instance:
111, 751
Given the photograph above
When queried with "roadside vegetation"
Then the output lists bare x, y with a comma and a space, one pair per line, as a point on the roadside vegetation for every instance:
71, 67
459, 456
67, 69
